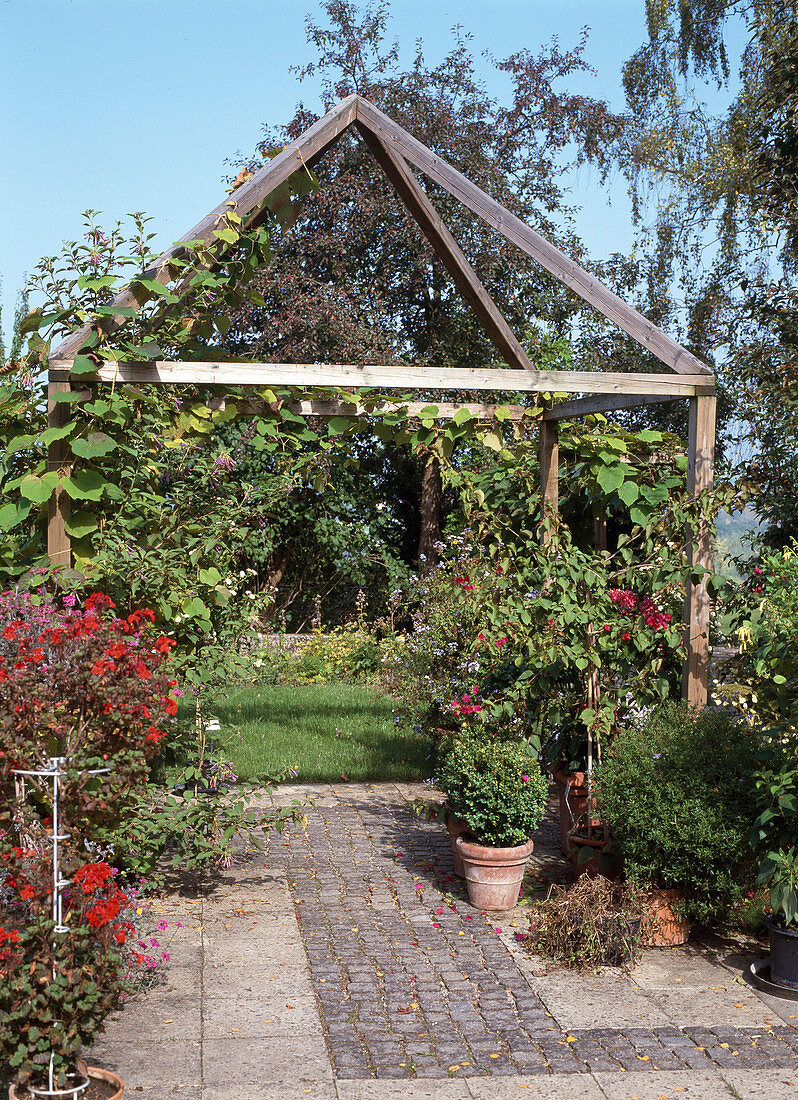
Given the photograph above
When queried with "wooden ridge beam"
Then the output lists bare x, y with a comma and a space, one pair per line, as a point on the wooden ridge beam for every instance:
529, 241
586, 406
396, 376
446, 249
245, 201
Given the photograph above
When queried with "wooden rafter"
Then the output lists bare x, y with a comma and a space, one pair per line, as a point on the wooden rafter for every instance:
600, 403
391, 376
528, 240
446, 249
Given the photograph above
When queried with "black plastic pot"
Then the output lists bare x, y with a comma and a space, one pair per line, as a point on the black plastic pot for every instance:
783, 954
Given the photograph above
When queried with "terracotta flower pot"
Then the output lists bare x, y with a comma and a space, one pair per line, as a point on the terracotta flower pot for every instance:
493, 875
455, 827
95, 1075
783, 954
661, 926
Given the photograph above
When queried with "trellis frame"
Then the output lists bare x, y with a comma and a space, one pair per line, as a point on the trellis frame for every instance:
395, 150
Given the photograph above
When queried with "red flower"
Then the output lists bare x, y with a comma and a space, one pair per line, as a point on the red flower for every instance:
171, 706
154, 734
626, 637
118, 649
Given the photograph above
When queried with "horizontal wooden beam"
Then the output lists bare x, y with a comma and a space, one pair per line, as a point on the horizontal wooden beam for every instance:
586, 406
244, 201
395, 376
529, 241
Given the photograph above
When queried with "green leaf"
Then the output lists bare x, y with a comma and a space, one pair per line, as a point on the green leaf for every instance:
97, 445
650, 436
20, 443
462, 416
81, 364
491, 440
226, 234
12, 514
116, 311
336, 425
95, 282
155, 287
85, 485
210, 576
67, 397
49, 435
80, 524
628, 493
39, 489
611, 478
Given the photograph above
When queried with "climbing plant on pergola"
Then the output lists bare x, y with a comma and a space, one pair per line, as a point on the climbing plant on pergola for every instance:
395, 150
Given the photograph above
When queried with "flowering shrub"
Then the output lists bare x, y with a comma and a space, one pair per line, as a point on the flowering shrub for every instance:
56, 989
85, 686
438, 669
84, 691
760, 617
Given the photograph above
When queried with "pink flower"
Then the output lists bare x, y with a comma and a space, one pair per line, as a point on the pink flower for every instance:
439, 910
525, 778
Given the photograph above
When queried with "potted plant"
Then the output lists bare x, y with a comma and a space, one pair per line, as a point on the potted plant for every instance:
775, 835
675, 789
497, 788
83, 702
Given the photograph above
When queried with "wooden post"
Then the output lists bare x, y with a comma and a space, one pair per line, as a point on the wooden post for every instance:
549, 471
59, 545
701, 456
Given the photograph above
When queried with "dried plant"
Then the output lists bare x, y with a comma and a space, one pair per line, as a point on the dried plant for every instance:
593, 923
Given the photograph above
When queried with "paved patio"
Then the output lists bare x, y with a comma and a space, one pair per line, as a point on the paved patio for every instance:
346, 963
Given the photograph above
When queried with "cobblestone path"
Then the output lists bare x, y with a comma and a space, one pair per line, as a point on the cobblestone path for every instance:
412, 982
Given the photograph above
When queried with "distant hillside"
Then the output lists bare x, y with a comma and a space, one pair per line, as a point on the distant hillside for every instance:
730, 543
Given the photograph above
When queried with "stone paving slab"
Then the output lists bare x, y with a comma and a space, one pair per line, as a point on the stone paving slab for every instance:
347, 964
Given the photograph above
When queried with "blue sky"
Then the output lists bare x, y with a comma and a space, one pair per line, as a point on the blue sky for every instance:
123, 105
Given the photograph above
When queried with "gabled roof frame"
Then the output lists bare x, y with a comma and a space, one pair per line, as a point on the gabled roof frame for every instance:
395, 150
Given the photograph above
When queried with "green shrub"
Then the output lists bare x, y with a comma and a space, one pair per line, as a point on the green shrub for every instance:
677, 792
496, 787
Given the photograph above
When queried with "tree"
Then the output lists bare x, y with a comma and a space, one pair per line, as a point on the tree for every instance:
355, 280
714, 193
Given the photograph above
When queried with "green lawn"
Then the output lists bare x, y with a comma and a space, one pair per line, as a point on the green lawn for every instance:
326, 730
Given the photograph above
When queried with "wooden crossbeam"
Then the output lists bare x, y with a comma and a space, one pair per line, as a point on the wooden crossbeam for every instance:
245, 201
447, 249
395, 376
524, 237
600, 403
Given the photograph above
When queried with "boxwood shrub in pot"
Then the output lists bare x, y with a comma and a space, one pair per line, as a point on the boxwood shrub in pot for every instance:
676, 790
497, 788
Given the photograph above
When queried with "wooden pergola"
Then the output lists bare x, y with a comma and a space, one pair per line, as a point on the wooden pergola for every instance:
395, 150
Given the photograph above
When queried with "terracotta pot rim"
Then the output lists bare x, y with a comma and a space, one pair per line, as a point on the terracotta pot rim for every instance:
563, 778
472, 848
